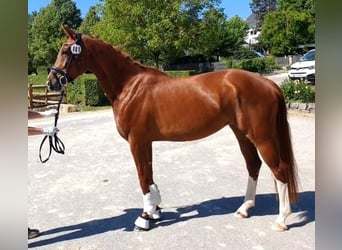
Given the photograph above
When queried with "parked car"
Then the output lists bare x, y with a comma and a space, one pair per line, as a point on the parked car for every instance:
258, 54
304, 69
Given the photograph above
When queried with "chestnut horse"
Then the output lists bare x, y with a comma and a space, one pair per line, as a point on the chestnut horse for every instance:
149, 106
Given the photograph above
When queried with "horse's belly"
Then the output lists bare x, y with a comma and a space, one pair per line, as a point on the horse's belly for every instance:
191, 126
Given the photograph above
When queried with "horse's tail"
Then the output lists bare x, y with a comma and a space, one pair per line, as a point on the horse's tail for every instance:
286, 151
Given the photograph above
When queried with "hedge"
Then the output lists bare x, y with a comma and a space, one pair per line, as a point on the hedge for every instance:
260, 65
180, 73
86, 91
37, 79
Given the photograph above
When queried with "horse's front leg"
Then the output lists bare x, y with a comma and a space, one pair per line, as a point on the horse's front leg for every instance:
142, 153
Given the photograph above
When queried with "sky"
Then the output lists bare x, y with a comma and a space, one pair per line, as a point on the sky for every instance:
231, 7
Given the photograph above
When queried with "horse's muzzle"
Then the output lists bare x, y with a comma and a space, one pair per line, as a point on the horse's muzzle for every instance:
57, 79
53, 83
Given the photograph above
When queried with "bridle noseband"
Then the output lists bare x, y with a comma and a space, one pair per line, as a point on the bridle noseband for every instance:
76, 49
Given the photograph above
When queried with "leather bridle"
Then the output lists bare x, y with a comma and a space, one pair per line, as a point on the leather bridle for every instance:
76, 49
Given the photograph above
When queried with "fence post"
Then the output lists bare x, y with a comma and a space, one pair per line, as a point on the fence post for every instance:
46, 95
30, 96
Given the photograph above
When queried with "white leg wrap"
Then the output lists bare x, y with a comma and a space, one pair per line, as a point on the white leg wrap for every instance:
151, 201
249, 200
149, 207
156, 198
284, 207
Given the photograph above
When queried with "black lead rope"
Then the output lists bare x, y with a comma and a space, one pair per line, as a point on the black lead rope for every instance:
54, 142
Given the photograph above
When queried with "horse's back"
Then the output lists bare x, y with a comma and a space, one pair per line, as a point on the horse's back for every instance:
239, 88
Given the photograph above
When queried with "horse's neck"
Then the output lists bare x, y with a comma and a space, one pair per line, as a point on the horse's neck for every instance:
113, 69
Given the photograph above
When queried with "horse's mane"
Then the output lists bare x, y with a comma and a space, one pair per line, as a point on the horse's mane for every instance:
124, 55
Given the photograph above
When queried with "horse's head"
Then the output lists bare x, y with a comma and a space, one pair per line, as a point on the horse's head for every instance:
69, 63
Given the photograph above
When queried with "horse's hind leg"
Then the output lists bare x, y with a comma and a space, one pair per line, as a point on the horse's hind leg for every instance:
269, 153
253, 164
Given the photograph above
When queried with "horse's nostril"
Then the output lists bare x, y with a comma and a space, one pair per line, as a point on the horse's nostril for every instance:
50, 86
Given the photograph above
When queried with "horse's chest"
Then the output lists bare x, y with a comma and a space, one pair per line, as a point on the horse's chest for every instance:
127, 119
122, 123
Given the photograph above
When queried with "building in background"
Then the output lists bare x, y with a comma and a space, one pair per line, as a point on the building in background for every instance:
253, 33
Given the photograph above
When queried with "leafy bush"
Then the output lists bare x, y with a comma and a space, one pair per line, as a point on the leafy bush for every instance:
230, 62
37, 79
86, 91
180, 73
260, 65
244, 53
298, 92
75, 93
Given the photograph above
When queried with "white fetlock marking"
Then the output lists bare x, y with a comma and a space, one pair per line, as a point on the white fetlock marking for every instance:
249, 200
142, 223
284, 206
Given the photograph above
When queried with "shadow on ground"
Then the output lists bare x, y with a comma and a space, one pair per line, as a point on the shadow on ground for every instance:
266, 204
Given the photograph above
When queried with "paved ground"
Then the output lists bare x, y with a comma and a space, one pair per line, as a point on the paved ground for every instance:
89, 198
278, 78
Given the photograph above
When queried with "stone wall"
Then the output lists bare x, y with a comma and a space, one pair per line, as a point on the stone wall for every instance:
306, 107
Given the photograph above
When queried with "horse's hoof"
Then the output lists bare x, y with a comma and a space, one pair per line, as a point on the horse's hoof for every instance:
279, 227
142, 224
240, 215
140, 229
156, 216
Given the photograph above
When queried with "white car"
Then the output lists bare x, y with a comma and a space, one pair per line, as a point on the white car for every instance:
305, 68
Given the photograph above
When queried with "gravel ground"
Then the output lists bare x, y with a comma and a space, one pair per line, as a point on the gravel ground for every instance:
89, 197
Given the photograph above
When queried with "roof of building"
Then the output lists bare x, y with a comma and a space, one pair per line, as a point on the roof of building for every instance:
251, 20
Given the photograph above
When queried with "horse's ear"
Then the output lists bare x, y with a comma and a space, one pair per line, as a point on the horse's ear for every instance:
69, 32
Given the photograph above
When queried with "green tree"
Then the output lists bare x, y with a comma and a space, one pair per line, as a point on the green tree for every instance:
91, 18
235, 33
307, 6
219, 36
260, 8
153, 31
31, 67
283, 31
45, 33
144, 29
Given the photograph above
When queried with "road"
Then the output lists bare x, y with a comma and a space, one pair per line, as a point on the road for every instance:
89, 197
278, 78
